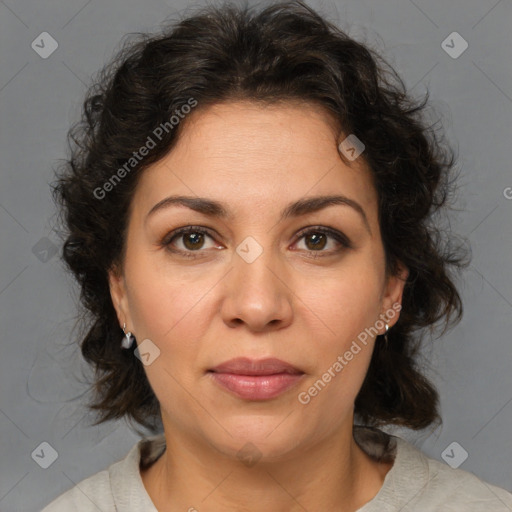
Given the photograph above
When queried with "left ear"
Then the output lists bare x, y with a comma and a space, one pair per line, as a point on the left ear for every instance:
392, 295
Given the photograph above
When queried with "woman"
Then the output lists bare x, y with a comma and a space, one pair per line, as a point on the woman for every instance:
249, 204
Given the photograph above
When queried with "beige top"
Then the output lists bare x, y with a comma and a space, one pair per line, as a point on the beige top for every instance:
415, 483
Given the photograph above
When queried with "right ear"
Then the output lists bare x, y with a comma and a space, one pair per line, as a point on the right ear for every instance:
119, 296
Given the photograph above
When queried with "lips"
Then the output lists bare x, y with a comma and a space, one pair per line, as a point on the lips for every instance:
246, 366
256, 380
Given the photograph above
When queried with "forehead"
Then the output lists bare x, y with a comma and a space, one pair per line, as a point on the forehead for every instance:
249, 154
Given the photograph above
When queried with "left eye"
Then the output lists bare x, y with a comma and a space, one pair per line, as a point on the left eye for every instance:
316, 239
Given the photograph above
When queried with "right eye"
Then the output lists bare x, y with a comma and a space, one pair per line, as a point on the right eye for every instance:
192, 240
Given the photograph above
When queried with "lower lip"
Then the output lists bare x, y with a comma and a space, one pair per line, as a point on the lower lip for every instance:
257, 387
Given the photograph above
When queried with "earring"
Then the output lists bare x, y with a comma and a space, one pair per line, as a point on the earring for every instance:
386, 335
127, 339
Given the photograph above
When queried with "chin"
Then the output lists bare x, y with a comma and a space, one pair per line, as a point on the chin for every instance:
258, 438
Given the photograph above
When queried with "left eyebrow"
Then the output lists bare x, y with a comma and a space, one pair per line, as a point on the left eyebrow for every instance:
317, 203
212, 208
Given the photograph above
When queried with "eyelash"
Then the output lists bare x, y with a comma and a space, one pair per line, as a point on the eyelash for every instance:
336, 235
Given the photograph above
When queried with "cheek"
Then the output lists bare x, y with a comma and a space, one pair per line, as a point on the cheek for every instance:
172, 313
342, 353
346, 304
163, 296
167, 308
341, 312
329, 396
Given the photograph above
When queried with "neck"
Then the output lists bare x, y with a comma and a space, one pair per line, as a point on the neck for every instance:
332, 475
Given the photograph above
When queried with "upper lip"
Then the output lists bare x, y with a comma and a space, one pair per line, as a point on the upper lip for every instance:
246, 366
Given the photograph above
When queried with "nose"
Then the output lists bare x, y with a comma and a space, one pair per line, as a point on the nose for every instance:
257, 294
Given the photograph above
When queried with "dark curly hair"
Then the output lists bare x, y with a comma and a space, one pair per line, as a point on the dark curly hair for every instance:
284, 52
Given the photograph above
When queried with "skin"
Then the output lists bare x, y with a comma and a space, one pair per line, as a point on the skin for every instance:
299, 302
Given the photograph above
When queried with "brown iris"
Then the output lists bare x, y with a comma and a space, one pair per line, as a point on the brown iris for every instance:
317, 238
196, 240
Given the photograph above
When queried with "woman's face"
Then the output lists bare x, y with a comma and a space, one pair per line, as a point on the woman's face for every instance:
299, 287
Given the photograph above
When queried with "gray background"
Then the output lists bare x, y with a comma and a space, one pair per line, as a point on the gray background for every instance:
40, 391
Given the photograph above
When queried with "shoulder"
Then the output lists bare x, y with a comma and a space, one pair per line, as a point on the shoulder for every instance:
418, 483
119, 487
454, 490
427, 485
89, 495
